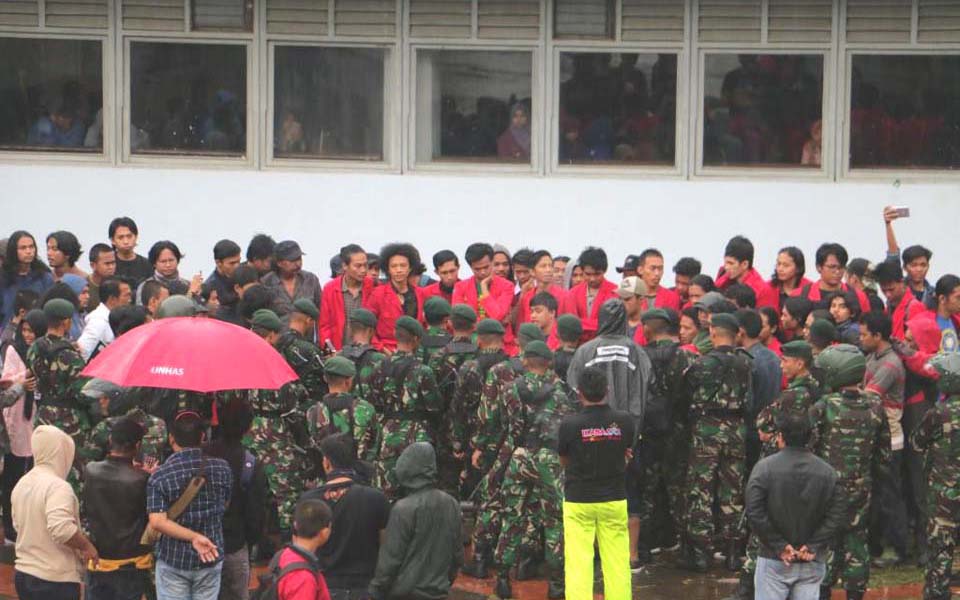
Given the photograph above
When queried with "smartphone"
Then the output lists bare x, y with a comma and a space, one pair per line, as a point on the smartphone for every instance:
902, 211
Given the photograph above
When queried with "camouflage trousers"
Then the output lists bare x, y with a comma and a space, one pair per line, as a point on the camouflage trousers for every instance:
850, 560
658, 509
532, 499
942, 533
715, 471
489, 501
397, 435
273, 445
75, 424
675, 462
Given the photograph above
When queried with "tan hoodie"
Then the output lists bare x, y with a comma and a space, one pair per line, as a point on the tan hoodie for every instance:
45, 512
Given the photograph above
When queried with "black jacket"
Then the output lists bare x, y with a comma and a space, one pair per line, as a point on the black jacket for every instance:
115, 501
423, 550
247, 512
793, 498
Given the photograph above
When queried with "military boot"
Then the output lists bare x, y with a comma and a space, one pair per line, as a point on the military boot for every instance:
734, 556
526, 568
852, 595
478, 566
744, 588
694, 560
503, 590
556, 589
825, 592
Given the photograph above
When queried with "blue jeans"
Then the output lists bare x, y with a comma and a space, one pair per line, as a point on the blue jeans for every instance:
178, 584
799, 581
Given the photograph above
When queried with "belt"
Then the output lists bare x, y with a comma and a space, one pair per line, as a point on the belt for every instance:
107, 565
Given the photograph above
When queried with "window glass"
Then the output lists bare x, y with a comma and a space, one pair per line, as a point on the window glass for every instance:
762, 110
329, 103
583, 19
474, 105
188, 98
617, 108
51, 94
222, 15
905, 111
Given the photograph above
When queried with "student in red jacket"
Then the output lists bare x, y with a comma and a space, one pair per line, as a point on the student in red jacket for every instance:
491, 296
738, 268
683, 272
543, 313
788, 275
541, 281
650, 270
397, 297
343, 294
585, 299
311, 530
901, 305
831, 264
447, 267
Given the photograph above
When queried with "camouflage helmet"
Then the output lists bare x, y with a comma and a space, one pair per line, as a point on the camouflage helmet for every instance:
947, 364
842, 365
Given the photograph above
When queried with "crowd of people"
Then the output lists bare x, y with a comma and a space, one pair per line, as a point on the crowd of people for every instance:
792, 429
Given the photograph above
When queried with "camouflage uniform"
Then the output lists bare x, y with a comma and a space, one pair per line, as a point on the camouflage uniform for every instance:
273, 441
854, 437
57, 365
346, 413
367, 360
405, 395
531, 493
939, 435
434, 341
305, 358
154, 442
445, 365
167, 403
500, 424
719, 382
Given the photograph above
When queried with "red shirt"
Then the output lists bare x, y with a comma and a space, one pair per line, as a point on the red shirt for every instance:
496, 305
333, 319
666, 298
752, 278
385, 304
575, 303
774, 291
814, 295
434, 289
523, 314
301, 584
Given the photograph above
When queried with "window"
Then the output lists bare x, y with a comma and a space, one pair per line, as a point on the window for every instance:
222, 15
328, 103
617, 108
583, 19
51, 94
763, 110
904, 111
188, 98
474, 105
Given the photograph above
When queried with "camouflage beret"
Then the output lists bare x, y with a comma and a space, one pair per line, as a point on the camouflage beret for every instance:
725, 321
569, 328
465, 312
798, 349
538, 349
531, 332
267, 319
410, 325
302, 305
58, 309
655, 313
435, 309
340, 367
490, 327
363, 317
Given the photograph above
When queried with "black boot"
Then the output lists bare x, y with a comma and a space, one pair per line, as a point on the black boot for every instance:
734, 556
526, 569
478, 566
503, 589
555, 588
694, 560
644, 556
852, 595
825, 592
744, 588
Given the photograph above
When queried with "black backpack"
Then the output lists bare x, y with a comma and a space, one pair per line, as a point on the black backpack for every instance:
270, 581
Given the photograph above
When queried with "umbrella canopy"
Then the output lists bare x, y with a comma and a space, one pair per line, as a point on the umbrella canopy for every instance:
185, 353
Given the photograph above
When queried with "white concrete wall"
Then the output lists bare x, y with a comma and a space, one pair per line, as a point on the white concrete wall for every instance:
195, 208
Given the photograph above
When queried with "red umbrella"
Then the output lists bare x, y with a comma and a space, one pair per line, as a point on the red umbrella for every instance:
185, 353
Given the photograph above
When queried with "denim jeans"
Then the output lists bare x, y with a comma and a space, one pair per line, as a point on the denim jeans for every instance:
235, 580
799, 581
33, 588
125, 584
178, 584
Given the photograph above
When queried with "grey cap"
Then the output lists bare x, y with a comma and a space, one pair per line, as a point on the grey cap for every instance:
709, 299
177, 306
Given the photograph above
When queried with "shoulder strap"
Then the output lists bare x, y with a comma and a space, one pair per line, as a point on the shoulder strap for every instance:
246, 474
805, 290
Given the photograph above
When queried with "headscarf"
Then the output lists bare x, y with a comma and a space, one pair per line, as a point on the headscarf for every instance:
38, 323
568, 273
521, 135
76, 283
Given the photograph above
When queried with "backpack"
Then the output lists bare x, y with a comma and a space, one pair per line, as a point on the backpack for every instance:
270, 581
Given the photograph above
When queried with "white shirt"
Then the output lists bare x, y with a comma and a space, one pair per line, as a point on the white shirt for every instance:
96, 332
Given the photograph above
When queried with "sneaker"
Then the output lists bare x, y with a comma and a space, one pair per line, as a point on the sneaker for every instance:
636, 566
8, 542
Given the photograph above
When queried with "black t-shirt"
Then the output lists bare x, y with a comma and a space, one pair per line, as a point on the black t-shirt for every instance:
595, 441
134, 271
349, 557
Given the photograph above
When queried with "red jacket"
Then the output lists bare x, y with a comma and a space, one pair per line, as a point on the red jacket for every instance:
638, 336
495, 306
667, 298
434, 290
774, 345
576, 304
553, 340
523, 315
301, 584
926, 333
908, 308
385, 304
333, 318
752, 278
811, 291
774, 292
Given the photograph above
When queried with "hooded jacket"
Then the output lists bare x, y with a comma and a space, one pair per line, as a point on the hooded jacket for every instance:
629, 372
46, 513
423, 550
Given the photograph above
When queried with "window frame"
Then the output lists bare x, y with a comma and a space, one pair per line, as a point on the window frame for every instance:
251, 151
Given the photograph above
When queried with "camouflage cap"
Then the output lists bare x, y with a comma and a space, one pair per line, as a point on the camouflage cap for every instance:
177, 306
302, 305
798, 349
947, 364
58, 309
435, 309
655, 313
465, 312
726, 322
340, 367
538, 349
363, 317
267, 319
490, 327
842, 365
531, 332
410, 325
569, 328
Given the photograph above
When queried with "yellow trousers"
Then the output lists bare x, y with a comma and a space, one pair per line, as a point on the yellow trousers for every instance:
605, 522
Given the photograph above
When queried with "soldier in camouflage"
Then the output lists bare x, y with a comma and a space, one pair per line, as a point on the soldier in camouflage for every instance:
526, 333
494, 430
405, 395
569, 330
939, 436
719, 382
303, 356
665, 440
445, 366
362, 324
853, 436
116, 403
436, 311
342, 412
531, 493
